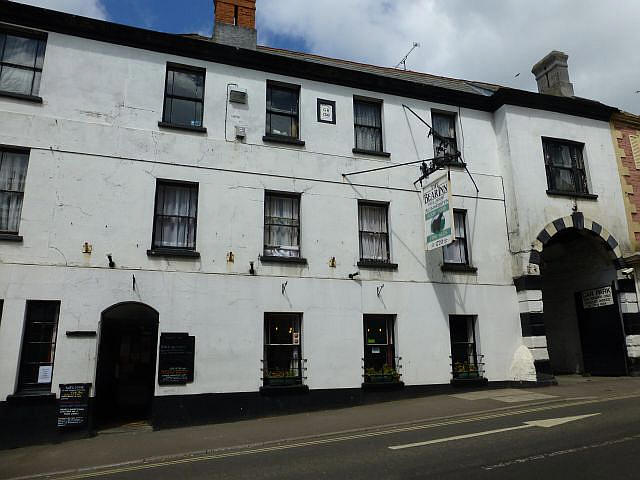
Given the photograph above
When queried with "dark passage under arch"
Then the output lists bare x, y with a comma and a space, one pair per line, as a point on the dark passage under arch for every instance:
125, 376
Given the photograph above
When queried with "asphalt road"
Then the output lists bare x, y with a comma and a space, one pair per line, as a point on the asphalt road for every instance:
603, 445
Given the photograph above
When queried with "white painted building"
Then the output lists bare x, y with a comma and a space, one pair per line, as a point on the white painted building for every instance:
147, 211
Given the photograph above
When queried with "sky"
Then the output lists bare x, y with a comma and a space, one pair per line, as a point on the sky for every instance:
494, 41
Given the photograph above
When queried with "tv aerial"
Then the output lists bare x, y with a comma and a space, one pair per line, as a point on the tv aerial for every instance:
403, 62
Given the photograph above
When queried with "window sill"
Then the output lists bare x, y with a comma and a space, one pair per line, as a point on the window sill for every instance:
469, 382
21, 96
458, 267
373, 386
182, 127
10, 237
453, 163
560, 193
275, 390
26, 398
172, 252
375, 264
371, 152
287, 140
276, 259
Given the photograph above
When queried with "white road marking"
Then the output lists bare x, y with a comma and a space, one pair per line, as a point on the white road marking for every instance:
548, 423
560, 452
507, 395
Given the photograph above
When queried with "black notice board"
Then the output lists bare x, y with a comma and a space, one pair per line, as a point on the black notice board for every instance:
176, 358
73, 406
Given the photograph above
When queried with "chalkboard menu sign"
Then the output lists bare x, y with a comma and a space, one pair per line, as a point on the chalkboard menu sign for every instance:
176, 358
73, 406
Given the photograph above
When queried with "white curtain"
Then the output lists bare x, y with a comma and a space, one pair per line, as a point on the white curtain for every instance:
13, 171
282, 223
368, 126
456, 252
176, 209
25, 52
373, 232
444, 126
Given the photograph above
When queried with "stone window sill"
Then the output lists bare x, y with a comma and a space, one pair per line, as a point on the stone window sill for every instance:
289, 260
458, 267
376, 264
10, 237
371, 152
585, 196
172, 252
20, 96
186, 128
272, 390
286, 140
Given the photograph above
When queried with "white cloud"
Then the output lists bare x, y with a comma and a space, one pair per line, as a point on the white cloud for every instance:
86, 8
490, 41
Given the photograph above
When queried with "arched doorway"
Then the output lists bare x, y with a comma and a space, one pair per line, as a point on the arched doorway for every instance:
125, 376
582, 319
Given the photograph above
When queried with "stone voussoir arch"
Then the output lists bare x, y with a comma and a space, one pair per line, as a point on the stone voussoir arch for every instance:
578, 221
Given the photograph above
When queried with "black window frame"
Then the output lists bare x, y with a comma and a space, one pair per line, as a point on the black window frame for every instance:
42, 38
380, 366
385, 206
290, 195
467, 261
10, 234
23, 386
466, 361
166, 117
448, 158
295, 118
578, 173
379, 105
160, 249
269, 350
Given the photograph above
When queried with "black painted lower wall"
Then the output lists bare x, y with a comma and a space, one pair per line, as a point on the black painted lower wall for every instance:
33, 421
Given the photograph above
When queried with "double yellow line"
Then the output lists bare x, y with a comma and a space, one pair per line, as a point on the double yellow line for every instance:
325, 441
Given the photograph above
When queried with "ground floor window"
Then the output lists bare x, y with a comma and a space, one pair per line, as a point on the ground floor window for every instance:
379, 349
38, 346
282, 363
465, 360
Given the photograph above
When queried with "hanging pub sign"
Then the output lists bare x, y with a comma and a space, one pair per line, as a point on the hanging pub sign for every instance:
176, 358
438, 213
598, 297
73, 406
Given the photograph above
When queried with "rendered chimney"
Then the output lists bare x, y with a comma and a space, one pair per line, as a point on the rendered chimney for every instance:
235, 23
552, 75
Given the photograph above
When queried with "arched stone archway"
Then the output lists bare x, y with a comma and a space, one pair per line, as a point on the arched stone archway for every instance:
530, 286
125, 371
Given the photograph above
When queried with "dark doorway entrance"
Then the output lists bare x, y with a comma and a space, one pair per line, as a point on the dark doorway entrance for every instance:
601, 332
581, 340
125, 377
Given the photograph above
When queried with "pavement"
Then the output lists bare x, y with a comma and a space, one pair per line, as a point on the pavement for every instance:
355, 442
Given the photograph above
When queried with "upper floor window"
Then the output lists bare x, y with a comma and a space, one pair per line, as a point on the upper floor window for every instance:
457, 251
174, 224
367, 124
13, 172
374, 232
565, 166
444, 138
282, 225
183, 96
21, 59
38, 346
283, 110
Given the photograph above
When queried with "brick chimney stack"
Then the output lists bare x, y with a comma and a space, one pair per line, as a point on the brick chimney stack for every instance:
552, 75
235, 23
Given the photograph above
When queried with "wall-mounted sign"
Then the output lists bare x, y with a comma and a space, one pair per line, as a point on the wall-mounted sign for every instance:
176, 358
438, 213
598, 297
73, 406
326, 111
